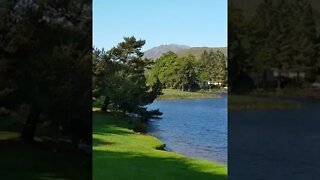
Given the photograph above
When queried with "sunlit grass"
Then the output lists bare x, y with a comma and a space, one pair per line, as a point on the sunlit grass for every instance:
120, 153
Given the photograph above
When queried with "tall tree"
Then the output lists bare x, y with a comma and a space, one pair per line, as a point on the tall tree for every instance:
123, 82
48, 43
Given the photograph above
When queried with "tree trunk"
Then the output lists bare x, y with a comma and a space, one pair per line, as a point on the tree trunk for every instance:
279, 84
279, 81
105, 104
30, 126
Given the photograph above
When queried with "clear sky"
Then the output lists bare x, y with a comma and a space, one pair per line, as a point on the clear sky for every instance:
186, 22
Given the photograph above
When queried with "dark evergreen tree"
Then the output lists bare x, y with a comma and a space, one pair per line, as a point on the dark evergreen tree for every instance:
120, 78
46, 49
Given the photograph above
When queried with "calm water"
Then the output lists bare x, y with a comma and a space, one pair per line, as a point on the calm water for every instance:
275, 144
195, 128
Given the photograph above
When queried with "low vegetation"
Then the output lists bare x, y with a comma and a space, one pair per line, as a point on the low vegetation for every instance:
120, 153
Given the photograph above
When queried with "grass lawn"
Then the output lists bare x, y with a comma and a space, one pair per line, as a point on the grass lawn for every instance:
289, 93
174, 94
121, 154
245, 102
40, 160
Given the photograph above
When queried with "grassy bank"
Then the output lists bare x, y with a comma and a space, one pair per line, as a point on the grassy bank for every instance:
174, 94
120, 153
289, 93
243, 102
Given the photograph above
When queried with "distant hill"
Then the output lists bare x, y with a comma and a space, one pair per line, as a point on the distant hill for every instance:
181, 50
156, 52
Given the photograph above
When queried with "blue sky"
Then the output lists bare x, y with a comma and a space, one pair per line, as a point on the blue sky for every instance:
186, 22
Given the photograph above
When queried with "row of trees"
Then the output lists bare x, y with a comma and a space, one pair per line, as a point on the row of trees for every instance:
119, 78
280, 35
124, 80
187, 72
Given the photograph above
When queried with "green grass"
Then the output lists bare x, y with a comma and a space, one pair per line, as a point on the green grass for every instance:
40, 160
121, 154
245, 102
174, 94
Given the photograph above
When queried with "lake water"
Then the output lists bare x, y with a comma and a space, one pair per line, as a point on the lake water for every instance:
275, 144
195, 128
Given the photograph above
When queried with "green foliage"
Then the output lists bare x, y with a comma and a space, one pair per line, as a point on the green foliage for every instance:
119, 77
45, 60
198, 51
163, 69
280, 35
213, 67
187, 72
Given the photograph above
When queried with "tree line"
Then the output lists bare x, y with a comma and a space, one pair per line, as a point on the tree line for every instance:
188, 73
279, 35
123, 80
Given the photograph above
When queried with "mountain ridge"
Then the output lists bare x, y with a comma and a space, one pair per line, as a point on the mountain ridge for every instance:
157, 51
180, 50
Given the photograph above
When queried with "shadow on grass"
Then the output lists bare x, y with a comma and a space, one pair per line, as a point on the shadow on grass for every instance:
26, 160
99, 142
111, 130
135, 164
113, 123
119, 165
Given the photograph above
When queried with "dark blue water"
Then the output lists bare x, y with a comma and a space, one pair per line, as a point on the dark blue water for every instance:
195, 128
275, 144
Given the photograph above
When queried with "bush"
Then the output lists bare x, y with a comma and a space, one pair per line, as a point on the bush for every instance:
140, 127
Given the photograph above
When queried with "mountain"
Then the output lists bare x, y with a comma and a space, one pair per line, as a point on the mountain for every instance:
156, 52
180, 50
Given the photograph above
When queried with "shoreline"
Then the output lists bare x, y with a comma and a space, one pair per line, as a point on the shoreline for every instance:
175, 94
260, 103
163, 148
118, 133
187, 154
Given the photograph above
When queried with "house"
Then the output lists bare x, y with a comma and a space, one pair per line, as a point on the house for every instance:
270, 77
208, 84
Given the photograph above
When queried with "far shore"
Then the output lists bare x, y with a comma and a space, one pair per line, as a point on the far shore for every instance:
175, 94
